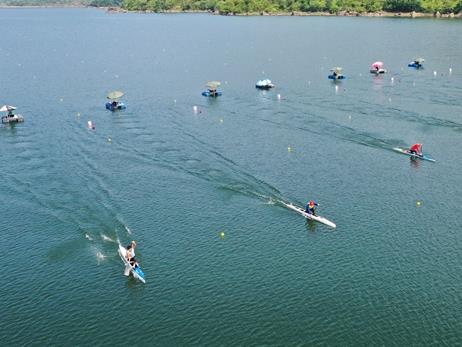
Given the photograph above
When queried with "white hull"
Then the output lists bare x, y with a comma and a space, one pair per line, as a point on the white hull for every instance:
309, 216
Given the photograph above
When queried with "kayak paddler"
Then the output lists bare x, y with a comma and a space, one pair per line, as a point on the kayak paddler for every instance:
131, 253
311, 207
416, 149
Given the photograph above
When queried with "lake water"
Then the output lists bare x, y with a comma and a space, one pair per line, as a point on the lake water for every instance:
173, 180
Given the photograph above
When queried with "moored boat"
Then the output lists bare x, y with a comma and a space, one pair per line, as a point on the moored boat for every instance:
11, 117
114, 104
377, 68
336, 73
264, 84
417, 63
212, 89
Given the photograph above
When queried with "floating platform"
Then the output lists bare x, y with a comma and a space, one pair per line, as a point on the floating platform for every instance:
336, 77
210, 94
17, 118
414, 65
120, 106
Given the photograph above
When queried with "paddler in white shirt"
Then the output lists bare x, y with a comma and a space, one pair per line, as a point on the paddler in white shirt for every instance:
131, 253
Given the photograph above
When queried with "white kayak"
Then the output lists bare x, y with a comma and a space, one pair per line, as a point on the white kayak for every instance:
136, 272
309, 216
412, 155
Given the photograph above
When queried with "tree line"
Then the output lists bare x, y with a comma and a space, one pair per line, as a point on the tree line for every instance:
272, 6
96, 3
262, 6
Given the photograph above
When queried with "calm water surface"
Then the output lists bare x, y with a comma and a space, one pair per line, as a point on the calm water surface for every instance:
390, 274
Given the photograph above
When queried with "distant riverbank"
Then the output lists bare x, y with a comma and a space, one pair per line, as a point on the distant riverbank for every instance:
412, 14
300, 13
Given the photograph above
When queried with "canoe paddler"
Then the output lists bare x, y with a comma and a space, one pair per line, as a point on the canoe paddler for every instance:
131, 253
416, 149
311, 207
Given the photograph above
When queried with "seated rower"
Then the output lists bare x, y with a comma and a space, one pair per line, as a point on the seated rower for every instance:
311, 207
416, 149
115, 104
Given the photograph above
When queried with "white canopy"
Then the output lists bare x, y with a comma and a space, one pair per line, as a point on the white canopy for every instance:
7, 108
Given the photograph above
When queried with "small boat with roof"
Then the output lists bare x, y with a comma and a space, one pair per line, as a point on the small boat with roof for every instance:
212, 89
11, 116
377, 68
417, 63
336, 74
264, 84
115, 104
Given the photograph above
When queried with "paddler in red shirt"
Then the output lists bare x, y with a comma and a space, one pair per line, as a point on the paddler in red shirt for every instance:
416, 149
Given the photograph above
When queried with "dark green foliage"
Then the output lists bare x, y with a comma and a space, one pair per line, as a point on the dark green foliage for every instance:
96, 3
263, 6
270, 6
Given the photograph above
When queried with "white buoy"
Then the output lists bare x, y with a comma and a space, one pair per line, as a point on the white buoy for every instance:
450, 70
389, 99
392, 80
434, 73
195, 109
279, 96
336, 89
90, 125
349, 117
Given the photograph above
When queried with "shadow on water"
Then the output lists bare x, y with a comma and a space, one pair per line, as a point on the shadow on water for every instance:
310, 225
415, 163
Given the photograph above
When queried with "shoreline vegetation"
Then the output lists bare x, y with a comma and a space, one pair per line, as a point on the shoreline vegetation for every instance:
353, 8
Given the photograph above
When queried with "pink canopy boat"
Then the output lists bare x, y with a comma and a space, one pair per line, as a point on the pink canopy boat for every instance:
377, 67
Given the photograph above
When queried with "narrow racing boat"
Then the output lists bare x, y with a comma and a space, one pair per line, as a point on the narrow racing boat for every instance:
307, 215
135, 271
412, 155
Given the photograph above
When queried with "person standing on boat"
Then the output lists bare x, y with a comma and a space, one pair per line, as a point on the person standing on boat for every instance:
311, 207
416, 149
131, 253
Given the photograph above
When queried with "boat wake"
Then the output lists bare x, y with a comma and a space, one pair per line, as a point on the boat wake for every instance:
107, 238
99, 257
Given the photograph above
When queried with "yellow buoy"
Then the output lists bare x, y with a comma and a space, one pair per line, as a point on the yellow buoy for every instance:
109, 139
289, 149
222, 234
418, 203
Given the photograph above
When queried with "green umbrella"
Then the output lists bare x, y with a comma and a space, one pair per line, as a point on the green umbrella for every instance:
115, 95
213, 85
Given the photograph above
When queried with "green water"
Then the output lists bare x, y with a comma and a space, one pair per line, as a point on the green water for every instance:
173, 180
